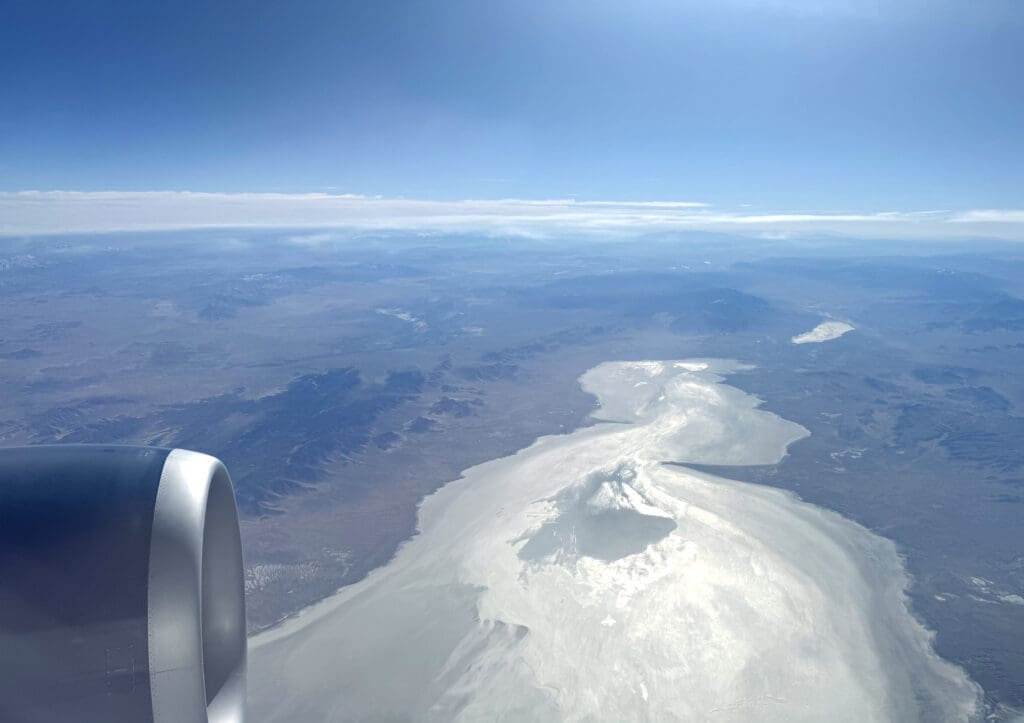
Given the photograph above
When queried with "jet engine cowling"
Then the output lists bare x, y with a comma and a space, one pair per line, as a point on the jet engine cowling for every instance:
121, 587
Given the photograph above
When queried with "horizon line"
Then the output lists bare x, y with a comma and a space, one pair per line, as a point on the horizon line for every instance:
59, 212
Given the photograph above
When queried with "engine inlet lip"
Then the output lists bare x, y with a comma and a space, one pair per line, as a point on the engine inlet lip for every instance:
196, 603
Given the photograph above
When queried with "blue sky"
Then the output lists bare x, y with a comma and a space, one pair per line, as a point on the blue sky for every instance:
835, 106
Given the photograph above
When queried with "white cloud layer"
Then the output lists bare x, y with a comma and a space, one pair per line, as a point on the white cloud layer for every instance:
55, 212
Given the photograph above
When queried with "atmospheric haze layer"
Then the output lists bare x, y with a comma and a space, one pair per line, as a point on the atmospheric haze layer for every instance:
586, 579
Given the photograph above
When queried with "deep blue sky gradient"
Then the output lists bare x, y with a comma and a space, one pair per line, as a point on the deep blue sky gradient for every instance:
783, 105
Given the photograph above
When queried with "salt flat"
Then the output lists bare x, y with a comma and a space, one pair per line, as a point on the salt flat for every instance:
826, 331
585, 579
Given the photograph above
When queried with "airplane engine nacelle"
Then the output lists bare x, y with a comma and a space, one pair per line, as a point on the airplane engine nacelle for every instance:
121, 587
